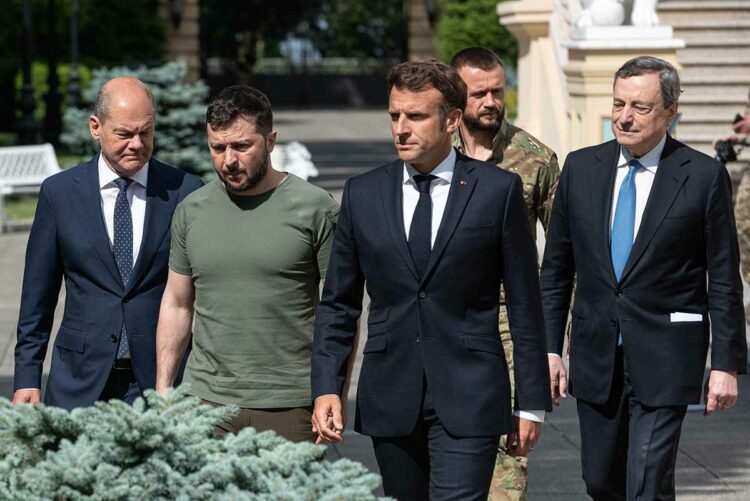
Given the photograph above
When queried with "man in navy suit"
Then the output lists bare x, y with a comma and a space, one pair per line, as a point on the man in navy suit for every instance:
432, 235
644, 226
103, 227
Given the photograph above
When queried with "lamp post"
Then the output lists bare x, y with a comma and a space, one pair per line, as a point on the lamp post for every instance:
74, 78
52, 115
27, 126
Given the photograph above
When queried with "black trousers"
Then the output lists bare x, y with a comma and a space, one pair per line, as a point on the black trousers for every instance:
121, 385
430, 463
628, 449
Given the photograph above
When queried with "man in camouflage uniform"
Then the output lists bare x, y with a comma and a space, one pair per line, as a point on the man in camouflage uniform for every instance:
741, 137
485, 134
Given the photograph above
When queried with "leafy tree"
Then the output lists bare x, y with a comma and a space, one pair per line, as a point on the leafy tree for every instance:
466, 23
232, 29
360, 29
161, 449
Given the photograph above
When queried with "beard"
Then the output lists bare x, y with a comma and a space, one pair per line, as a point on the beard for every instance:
254, 176
475, 123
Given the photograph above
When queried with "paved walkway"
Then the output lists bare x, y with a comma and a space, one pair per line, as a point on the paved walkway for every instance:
714, 457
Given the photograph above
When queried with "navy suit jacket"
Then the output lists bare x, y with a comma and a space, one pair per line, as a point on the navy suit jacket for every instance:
441, 328
684, 260
69, 241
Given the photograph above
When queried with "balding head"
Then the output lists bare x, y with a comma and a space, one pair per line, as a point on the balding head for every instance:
123, 123
122, 91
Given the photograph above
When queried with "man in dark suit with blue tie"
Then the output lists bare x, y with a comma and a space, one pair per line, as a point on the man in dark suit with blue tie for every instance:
645, 225
103, 227
432, 236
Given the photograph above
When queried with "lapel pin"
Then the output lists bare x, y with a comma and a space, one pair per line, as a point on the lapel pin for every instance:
462, 182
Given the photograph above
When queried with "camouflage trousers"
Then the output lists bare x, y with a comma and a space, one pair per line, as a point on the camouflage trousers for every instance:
510, 478
742, 218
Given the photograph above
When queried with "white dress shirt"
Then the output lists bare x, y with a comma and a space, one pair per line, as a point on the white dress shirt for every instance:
439, 189
136, 198
644, 179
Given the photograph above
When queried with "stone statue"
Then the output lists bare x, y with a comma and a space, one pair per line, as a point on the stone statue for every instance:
613, 13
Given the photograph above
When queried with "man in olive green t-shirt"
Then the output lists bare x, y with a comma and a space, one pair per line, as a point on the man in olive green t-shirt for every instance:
248, 253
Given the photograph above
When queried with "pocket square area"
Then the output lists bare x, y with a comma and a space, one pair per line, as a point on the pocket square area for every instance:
680, 316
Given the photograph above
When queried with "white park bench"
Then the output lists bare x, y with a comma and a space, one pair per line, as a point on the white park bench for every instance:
22, 171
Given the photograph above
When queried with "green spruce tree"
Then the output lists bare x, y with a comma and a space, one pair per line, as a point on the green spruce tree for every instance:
180, 138
161, 449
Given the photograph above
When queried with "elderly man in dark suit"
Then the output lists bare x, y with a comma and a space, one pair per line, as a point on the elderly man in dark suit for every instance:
645, 225
103, 227
432, 235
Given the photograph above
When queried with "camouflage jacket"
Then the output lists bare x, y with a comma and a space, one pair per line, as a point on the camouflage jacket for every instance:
516, 150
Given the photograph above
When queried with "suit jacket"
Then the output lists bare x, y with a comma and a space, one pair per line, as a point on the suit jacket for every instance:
441, 328
684, 259
69, 241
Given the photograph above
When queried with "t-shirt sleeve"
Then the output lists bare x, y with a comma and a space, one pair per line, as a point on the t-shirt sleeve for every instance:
178, 257
326, 226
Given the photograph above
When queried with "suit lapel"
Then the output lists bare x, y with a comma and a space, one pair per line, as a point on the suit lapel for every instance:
391, 189
602, 179
461, 189
670, 176
160, 204
86, 200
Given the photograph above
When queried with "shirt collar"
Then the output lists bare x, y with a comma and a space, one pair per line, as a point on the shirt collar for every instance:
444, 170
107, 175
650, 161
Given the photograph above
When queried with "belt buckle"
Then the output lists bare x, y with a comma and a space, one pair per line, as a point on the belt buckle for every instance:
122, 364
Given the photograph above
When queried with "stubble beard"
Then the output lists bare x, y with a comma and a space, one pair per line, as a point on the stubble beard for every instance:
254, 177
476, 125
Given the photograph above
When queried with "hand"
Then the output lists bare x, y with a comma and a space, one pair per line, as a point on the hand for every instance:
732, 139
720, 391
29, 396
558, 376
523, 440
743, 126
328, 419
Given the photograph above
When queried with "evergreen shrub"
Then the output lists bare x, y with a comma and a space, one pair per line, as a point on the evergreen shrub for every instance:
159, 449
180, 137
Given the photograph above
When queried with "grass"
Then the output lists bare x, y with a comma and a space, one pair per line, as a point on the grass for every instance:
20, 208
7, 139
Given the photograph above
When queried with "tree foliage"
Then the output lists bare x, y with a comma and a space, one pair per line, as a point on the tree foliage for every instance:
161, 449
180, 137
467, 23
354, 28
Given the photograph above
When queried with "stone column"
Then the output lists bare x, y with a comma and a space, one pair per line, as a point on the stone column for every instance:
541, 96
182, 21
594, 54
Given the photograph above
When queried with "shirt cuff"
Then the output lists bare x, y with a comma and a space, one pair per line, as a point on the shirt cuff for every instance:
555, 354
536, 416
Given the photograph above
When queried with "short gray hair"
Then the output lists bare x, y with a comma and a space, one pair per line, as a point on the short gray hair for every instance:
669, 80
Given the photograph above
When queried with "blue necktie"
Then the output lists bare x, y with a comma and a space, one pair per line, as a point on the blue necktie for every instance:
123, 249
420, 231
624, 223
623, 227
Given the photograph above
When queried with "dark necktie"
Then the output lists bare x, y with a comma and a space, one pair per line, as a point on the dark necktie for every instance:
123, 248
420, 231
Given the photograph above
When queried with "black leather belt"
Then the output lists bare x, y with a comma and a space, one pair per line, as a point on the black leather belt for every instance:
122, 364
